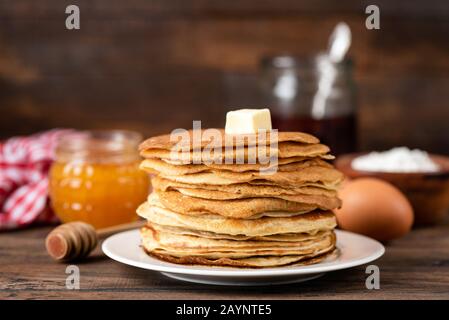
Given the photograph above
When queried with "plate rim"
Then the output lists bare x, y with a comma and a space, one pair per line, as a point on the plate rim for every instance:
229, 272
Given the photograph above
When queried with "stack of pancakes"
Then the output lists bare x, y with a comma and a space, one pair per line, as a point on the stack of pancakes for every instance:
207, 209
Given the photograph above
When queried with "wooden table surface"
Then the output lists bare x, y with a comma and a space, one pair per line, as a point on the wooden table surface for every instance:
415, 267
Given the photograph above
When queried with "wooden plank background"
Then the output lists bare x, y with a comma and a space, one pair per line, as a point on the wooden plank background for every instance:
156, 65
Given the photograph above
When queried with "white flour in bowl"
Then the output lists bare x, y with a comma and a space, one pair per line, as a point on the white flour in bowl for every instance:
400, 159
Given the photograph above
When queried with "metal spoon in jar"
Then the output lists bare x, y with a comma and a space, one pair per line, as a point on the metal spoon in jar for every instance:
339, 43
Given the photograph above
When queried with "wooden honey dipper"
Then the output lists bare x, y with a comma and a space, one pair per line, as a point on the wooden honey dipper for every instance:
75, 240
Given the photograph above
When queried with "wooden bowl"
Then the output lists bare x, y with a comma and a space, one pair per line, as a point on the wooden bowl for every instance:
427, 192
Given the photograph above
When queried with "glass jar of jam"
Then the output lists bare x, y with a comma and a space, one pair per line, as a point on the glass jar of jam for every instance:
314, 95
96, 178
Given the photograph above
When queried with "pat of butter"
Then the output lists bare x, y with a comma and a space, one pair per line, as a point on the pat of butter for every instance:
245, 121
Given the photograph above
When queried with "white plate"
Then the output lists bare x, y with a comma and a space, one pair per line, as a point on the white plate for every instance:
353, 250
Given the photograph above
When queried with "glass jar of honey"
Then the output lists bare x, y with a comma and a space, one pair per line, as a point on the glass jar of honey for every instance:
96, 178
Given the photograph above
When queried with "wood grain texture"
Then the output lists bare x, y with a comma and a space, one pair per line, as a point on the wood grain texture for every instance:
152, 66
414, 267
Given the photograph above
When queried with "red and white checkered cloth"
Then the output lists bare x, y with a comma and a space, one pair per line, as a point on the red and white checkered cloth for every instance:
24, 165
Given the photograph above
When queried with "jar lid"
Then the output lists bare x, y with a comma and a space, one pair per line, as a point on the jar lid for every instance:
99, 146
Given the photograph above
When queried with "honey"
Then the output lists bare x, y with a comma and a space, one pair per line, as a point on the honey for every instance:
96, 178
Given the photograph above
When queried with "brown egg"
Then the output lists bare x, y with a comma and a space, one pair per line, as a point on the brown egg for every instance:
374, 208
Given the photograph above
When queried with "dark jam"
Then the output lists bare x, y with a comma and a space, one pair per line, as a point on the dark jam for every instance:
339, 133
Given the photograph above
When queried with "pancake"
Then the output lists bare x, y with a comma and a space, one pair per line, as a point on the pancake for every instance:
250, 201
197, 250
311, 222
246, 189
239, 208
320, 201
253, 262
186, 245
200, 200
205, 234
156, 165
229, 156
154, 200
246, 166
209, 140
328, 177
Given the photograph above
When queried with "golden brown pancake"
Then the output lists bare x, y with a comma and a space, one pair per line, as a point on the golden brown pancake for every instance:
249, 201
311, 222
211, 235
248, 166
321, 202
154, 200
156, 165
327, 177
205, 140
246, 189
186, 245
197, 250
253, 262
198, 202
230, 156
240, 208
